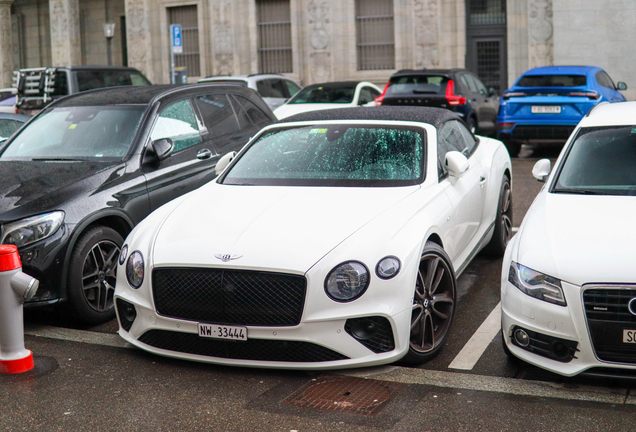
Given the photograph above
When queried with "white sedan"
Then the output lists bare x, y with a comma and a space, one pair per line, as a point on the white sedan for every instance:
323, 244
346, 94
568, 286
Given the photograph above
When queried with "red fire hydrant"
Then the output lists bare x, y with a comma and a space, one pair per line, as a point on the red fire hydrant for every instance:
15, 288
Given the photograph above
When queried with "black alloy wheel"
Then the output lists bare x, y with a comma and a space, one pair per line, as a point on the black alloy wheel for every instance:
92, 275
503, 222
433, 305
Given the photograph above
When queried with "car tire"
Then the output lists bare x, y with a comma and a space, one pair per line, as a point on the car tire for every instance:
514, 147
92, 275
503, 221
433, 305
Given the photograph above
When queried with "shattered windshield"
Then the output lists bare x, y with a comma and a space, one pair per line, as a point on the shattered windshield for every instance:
333, 155
601, 161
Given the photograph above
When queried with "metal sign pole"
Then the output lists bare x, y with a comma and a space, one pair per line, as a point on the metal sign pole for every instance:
176, 47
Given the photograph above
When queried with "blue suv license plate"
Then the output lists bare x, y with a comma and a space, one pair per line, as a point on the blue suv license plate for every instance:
543, 109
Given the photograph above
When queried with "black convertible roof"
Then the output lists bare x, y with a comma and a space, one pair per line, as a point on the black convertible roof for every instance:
433, 116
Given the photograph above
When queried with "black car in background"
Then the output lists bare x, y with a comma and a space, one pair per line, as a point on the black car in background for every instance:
88, 168
458, 90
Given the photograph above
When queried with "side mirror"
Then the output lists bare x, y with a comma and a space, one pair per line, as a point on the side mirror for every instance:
224, 162
491, 92
158, 151
621, 85
163, 148
541, 170
362, 102
456, 163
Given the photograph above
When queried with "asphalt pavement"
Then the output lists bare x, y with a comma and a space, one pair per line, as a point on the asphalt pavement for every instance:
89, 379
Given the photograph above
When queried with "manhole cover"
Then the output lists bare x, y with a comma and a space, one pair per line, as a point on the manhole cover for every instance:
353, 395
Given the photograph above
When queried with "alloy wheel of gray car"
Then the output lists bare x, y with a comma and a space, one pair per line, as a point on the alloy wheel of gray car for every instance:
92, 275
433, 305
99, 275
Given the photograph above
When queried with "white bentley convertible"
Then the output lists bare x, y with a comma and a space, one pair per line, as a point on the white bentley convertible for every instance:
568, 285
331, 240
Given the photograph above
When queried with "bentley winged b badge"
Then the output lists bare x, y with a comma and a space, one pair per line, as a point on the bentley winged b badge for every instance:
227, 257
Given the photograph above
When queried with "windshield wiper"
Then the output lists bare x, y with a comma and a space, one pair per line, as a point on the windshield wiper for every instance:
58, 159
578, 191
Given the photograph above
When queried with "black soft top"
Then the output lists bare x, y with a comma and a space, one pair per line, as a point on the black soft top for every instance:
430, 115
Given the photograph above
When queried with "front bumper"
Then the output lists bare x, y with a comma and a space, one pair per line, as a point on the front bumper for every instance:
331, 346
568, 323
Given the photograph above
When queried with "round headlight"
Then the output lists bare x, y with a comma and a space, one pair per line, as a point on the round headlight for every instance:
123, 254
135, 269
347, 281
388, 267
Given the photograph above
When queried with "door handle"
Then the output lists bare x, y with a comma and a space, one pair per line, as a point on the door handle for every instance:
482, 180
204, 154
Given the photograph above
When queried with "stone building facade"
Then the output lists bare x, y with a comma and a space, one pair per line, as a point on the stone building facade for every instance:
323, 40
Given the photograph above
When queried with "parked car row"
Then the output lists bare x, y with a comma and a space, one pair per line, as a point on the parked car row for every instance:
330, 239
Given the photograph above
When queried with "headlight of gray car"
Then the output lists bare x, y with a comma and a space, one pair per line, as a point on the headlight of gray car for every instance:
536, 284
347, 281
26, 231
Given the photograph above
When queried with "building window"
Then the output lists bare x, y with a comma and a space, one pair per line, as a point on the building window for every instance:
375, 34
274, 36
186, 16
484, 12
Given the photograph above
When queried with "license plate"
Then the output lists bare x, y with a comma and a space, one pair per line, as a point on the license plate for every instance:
541, 109
222, 332
629, 336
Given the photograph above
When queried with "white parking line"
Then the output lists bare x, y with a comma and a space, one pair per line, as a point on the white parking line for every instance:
472, 351
405, 375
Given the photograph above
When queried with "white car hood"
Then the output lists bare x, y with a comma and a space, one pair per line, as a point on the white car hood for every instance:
580, 238
293, 109
284, 228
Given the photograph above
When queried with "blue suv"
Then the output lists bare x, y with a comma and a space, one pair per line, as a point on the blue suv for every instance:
545, 104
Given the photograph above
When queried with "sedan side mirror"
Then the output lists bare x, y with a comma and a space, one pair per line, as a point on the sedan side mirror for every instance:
363, 101
224, 162
491, 92
621, 85
541, 170
456, 163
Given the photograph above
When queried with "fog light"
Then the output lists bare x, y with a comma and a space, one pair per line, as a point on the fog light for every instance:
364, 329
127, 314
560, 350
521, 337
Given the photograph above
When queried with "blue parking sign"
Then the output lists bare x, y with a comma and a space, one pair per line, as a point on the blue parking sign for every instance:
176, 39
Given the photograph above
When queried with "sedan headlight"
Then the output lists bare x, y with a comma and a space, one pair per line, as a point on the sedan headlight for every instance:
135, 269
26, 231
347, 281
535, 284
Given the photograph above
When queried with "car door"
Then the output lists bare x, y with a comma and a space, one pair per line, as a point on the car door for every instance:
467, 193
608, 88
221, 119
192, 161
273, 91
487, 105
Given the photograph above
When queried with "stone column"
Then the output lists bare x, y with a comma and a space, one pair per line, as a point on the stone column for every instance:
138, 37
66, 48
6, 48
426, 17
319, 44
540, 30
222, 37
